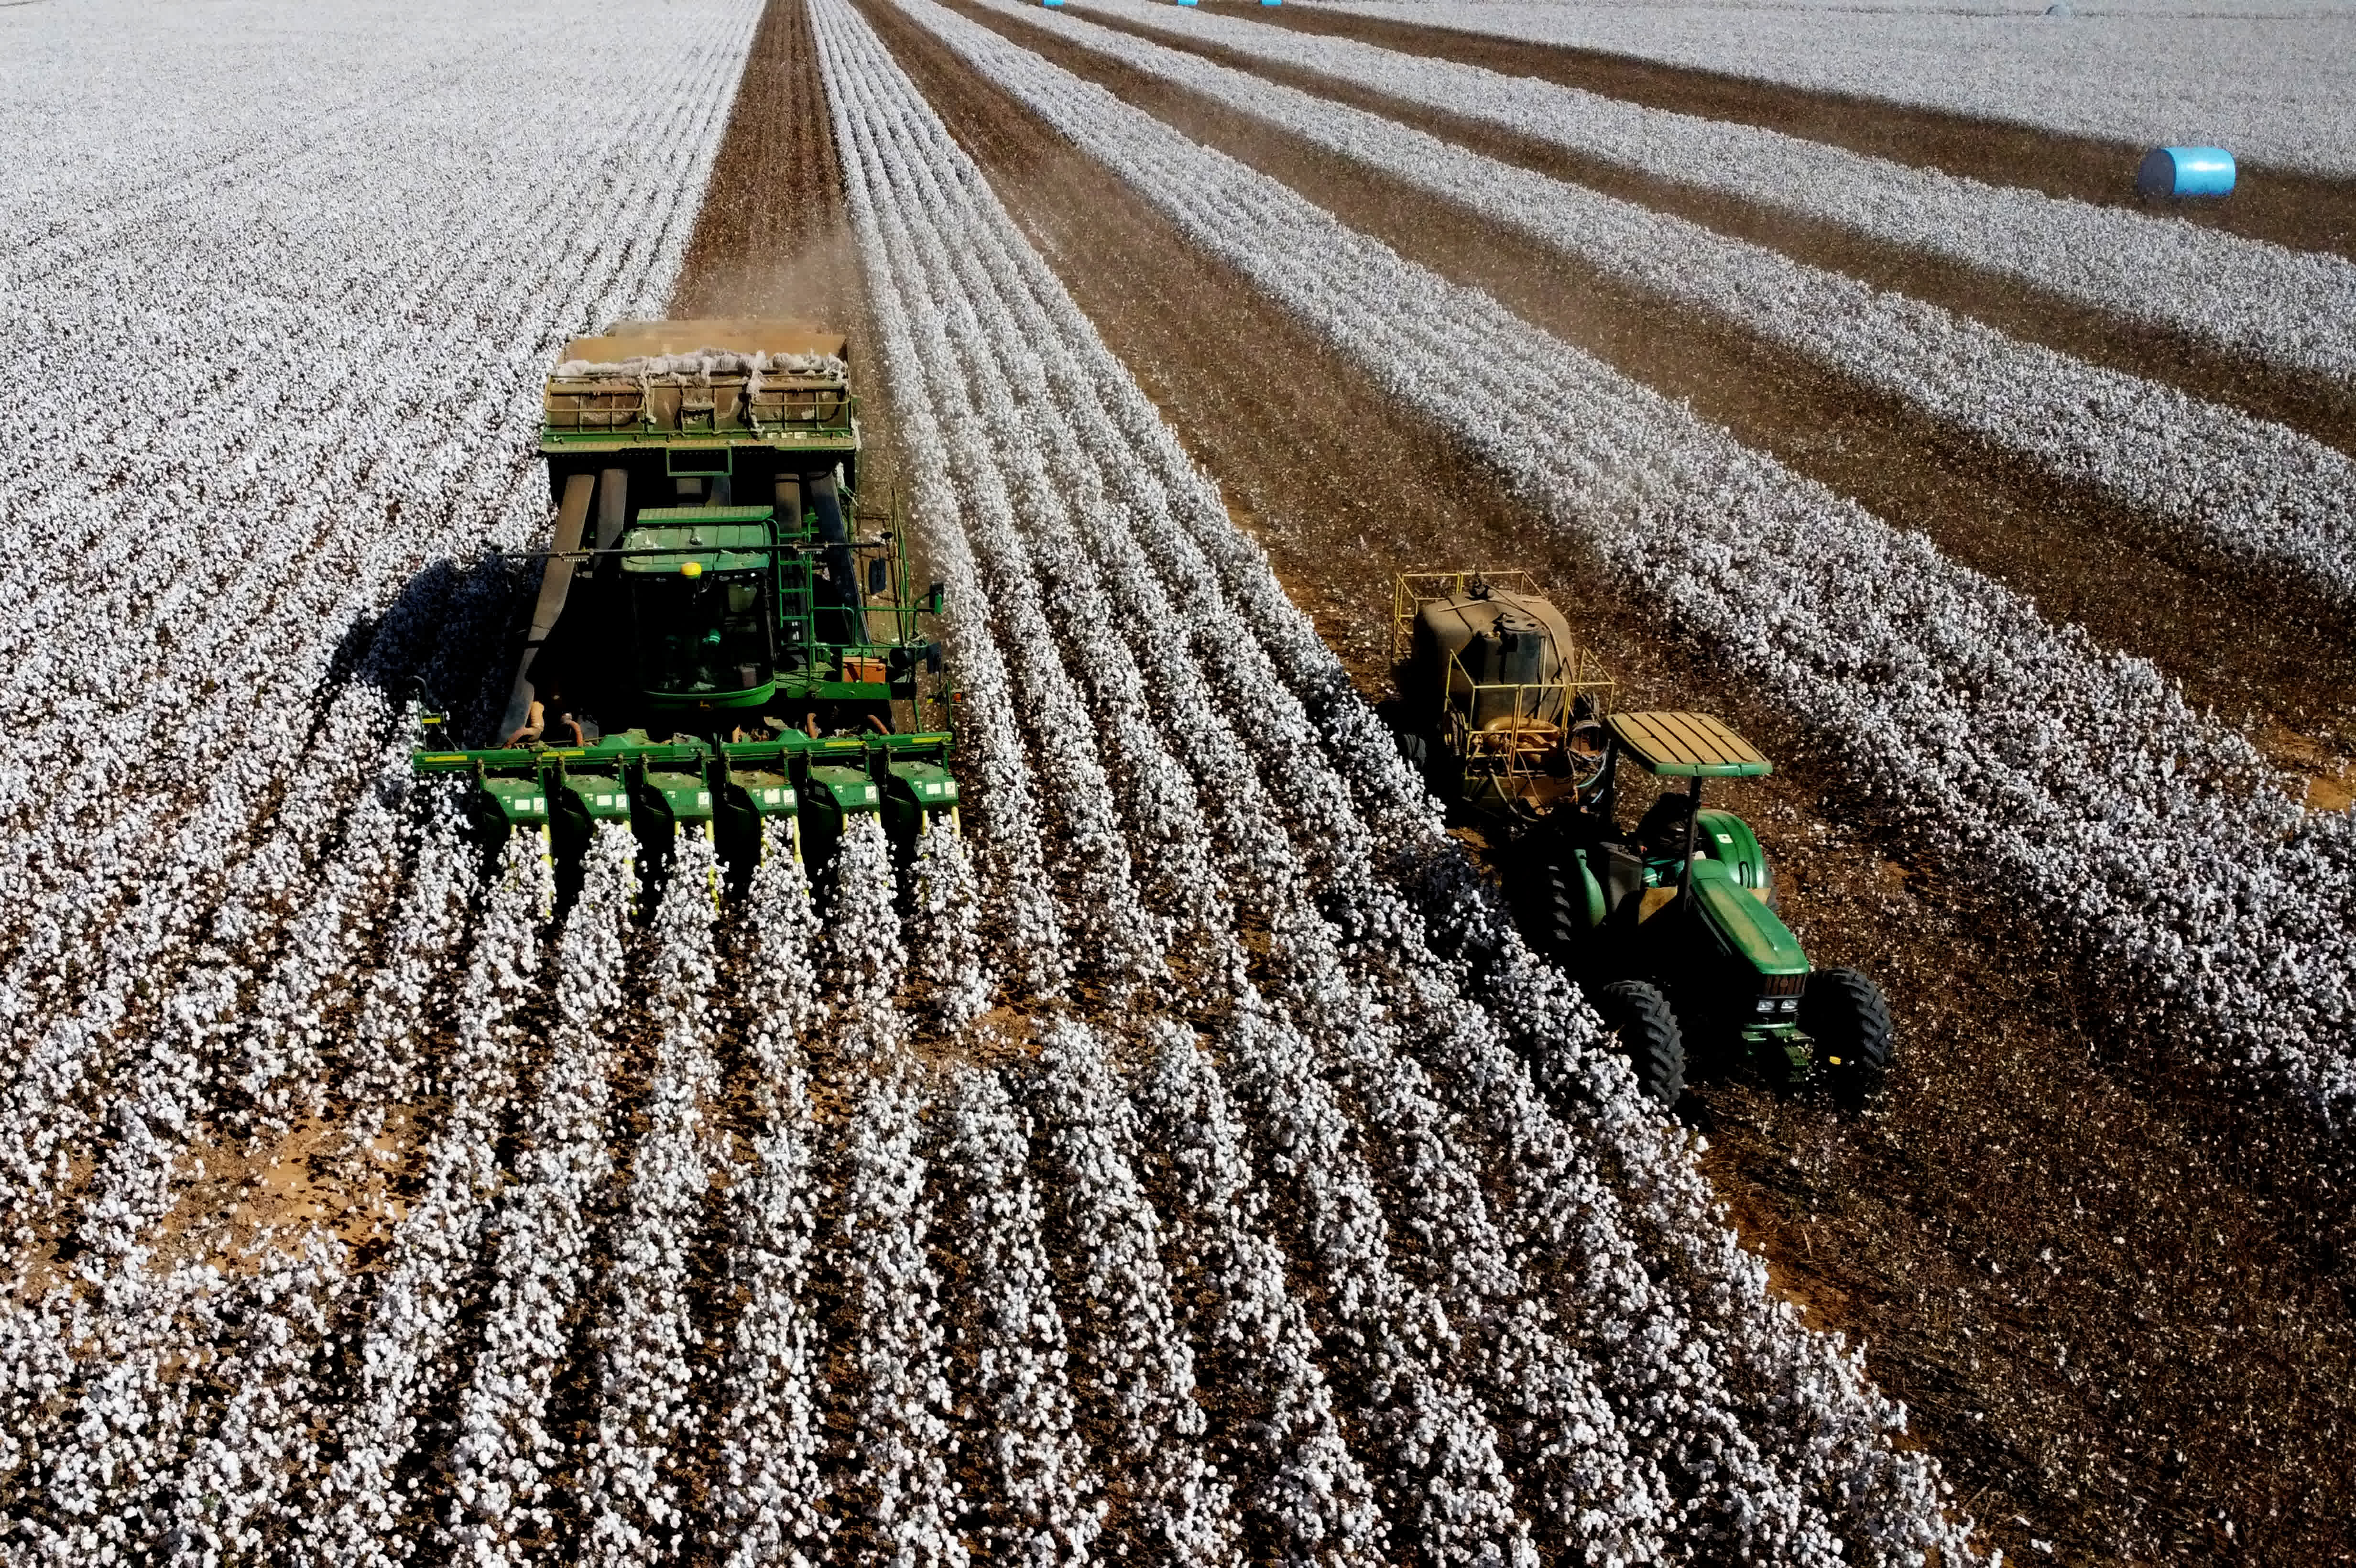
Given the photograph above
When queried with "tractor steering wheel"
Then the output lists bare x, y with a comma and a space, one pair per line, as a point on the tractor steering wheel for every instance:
1589, 748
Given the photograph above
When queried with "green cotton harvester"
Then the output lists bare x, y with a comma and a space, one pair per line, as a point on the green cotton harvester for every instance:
722, 636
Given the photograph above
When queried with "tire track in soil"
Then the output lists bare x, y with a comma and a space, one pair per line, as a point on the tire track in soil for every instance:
2215, 1316
2288, 207
2235, 636
2312, 404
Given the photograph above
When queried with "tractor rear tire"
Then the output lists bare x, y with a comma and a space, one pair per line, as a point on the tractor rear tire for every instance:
1416, 752
1844, 1012
1649, 1038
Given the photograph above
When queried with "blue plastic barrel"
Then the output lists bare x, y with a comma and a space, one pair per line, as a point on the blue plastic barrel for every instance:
2186, 171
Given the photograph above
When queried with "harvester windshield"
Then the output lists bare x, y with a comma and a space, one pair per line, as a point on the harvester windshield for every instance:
702, 604
704, 636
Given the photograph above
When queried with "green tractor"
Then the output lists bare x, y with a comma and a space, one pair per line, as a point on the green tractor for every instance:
1670, 926
722, 636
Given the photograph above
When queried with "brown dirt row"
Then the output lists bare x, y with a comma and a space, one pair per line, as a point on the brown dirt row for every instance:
773, 236
2224, 630
2306, 402
2095, 1283
2308, 211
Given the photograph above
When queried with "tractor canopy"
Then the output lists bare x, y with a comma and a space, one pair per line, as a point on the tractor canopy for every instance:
1686, 746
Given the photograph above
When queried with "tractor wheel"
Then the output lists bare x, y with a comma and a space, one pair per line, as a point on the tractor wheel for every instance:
1649, 1038
1844, 1013
1561, 903
1416, 750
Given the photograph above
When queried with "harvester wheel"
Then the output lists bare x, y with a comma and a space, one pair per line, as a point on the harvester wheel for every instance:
1417, 752
1649, 1038
1844, 1013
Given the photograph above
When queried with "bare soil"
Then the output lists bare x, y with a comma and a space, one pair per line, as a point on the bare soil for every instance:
2307, 212
2307, 402
2116, 1300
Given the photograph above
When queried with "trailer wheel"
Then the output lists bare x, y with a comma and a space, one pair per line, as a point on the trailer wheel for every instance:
1415, 750
1649, 1038
1844, 1013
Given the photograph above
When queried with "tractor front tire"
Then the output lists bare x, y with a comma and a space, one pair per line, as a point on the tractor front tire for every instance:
1844, 1013
1639, 1016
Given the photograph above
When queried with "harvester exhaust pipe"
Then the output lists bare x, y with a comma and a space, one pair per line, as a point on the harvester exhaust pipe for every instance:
613, 505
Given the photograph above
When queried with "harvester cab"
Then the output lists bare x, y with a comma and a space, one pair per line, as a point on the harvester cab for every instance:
1673, 927
723, 637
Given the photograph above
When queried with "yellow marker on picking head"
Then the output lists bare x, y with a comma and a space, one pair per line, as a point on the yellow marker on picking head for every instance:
690, 568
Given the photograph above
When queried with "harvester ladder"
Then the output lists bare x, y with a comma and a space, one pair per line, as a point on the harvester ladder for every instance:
797, 573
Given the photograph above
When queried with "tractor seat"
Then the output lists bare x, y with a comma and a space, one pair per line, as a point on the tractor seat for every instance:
1661, 831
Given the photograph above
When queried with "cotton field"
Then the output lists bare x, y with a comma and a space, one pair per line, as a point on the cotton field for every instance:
1183, 1151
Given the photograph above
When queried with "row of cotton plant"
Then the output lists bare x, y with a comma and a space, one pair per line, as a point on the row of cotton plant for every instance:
2010, 746
1292, 1466
2258, 495
898, 1480
767, 1485
642, 1332
277, 1359
503, 1454
2271, 304
1039, 1509
1133, 1363
360, 1512
382, 1056
261, 515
